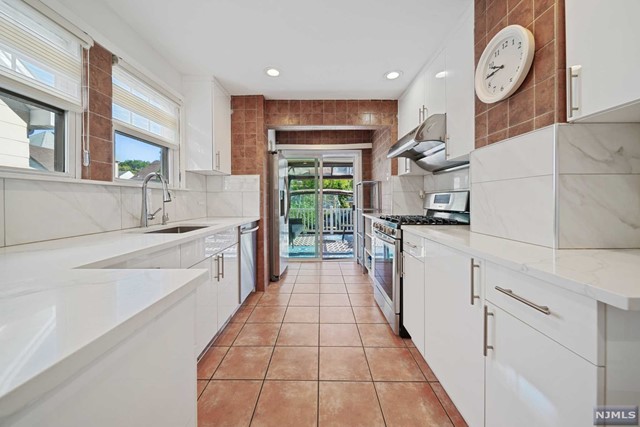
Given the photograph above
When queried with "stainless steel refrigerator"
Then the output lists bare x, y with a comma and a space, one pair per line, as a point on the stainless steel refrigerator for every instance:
278, 210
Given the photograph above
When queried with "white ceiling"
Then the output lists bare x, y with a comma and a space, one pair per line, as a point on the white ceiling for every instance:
325, 49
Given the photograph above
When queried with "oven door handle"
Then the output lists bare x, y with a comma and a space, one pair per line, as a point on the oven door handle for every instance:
383, 238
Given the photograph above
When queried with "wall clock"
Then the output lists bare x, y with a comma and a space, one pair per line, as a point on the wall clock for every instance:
504, 64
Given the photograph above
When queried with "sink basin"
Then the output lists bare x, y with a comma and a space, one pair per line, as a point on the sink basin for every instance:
178, 230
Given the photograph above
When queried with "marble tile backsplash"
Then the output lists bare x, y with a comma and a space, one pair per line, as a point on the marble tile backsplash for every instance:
37, 210
235, 195
591, 172
457, 180
402, 195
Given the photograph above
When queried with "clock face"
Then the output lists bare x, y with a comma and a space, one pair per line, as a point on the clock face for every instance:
504, 64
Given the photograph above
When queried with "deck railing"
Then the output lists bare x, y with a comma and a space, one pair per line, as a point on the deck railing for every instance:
336, 220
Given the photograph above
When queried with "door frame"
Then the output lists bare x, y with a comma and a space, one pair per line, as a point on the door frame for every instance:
319, 152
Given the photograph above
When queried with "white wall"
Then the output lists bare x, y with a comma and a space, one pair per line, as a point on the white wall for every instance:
109, 30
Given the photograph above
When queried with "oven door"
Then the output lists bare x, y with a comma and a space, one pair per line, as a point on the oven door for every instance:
386, 258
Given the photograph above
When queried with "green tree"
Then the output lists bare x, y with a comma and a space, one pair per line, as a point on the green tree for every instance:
132, 166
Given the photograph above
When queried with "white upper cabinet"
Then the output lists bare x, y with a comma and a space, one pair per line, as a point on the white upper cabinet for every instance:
603, 60
445, 85
460, 101
208, 126
411, 106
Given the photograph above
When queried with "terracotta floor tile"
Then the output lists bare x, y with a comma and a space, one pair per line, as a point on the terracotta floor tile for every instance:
287, 403
294, 363
253, 298
333, 288
379, 335
336, 315
369, 315
334, 300
244, 363
272, 299
408, 342
403, 368
298, 334
339, 335
422, 364
310, 266
302, 315
349, 405
306, 288
327, 278
210, 361
359, 288
200, 386
344, 363
362, 300
330, 268
449, 407
242, 314
307, 279
228, 403
228, 335
262, 314
258, 334
352, 271
285, 288
410, 404
358, 279
289, 279
314, 272
304, 300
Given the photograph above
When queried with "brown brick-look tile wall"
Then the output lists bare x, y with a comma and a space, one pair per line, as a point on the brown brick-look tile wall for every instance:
249, 157
98, 119
316, 137
381, 114
540, 101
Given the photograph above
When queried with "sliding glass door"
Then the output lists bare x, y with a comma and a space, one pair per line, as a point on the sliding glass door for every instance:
321, 200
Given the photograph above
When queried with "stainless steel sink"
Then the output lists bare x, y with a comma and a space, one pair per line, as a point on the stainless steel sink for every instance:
178, 229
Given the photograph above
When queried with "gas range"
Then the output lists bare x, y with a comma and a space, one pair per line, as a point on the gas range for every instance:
440, 209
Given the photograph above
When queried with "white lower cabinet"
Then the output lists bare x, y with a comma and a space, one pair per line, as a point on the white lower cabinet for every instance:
226, 269
206, 307
532, 380
413, 298
453, 328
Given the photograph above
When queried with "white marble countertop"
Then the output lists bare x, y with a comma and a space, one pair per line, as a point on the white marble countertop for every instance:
611, 276
55, 318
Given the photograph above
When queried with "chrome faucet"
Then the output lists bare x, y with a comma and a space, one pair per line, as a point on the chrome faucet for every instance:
166, 197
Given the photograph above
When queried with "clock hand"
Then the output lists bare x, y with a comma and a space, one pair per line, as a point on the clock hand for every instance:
491, 75
493, 67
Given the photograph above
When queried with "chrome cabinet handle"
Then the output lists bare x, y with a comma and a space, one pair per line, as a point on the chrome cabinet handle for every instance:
473, 281
485, 341
411, 245
541, 308
218, 268
222, 258
573, 73
217, 159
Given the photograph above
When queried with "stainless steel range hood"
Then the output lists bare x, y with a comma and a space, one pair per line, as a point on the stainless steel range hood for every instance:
426, 145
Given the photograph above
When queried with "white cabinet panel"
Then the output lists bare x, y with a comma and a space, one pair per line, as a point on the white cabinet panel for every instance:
206, 307
410, 106
602, 40
453, 328
460, 101
413, 299
435, 86
533, 381
208, 126
226, 268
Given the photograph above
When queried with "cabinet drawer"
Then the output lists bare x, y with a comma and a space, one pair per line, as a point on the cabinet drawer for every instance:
572, 320
413, 245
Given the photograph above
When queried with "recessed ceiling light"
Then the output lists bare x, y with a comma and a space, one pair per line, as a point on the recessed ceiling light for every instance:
272, 72
392, 75
441, 75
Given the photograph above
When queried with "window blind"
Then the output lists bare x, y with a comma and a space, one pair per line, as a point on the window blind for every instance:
136, 104
40, 53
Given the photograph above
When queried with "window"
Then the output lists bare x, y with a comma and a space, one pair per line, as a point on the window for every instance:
146, 125
136, 158
31, 134
39, 53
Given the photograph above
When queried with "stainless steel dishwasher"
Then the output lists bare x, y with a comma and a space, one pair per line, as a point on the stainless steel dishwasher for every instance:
248, 265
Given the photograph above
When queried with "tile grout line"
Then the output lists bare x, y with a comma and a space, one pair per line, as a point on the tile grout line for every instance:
375, 390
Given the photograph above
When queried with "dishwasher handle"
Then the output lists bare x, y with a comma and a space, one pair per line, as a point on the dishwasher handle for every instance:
252, 230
